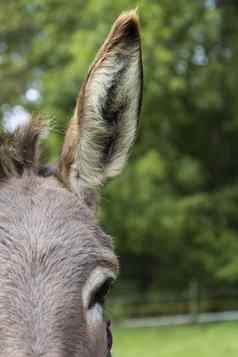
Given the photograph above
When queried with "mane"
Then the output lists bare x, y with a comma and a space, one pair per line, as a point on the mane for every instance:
19, 151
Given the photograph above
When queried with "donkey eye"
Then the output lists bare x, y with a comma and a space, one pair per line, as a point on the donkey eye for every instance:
99, 295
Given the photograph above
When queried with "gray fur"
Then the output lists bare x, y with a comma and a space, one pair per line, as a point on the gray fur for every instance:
50, 243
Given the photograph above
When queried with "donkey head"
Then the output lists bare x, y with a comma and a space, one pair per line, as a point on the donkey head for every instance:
56, 264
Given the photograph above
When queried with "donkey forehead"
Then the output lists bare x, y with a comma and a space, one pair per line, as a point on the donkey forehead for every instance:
41, 220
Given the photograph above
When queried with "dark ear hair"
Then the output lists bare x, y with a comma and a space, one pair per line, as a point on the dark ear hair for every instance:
19, 151
104, 124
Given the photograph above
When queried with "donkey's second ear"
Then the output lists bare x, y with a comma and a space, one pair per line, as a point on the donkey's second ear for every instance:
104, 124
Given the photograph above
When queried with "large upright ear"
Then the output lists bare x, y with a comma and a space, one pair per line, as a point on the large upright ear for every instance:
104, 124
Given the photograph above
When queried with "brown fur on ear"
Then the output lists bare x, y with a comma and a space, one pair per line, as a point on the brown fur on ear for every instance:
19, 150
123, 35
123, 46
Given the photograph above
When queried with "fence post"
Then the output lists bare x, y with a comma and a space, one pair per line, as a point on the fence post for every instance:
194, 301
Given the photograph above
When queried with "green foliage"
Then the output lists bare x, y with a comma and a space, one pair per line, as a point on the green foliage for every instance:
174, 210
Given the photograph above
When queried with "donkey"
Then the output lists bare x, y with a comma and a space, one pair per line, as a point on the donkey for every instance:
56, 263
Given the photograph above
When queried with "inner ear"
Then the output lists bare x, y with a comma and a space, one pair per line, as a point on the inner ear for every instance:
105, 120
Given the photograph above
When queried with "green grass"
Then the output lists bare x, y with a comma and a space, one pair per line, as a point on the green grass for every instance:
218, 340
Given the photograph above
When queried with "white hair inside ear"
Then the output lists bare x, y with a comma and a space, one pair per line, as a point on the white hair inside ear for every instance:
106, 117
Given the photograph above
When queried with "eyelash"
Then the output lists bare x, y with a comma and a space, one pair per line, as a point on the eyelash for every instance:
99, 296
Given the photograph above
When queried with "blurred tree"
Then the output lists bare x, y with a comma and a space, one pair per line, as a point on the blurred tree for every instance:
174, 210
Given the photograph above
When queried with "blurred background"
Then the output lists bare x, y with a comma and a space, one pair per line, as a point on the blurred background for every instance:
174, 210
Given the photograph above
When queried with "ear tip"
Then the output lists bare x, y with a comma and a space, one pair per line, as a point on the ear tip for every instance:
127, 25
130, 17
